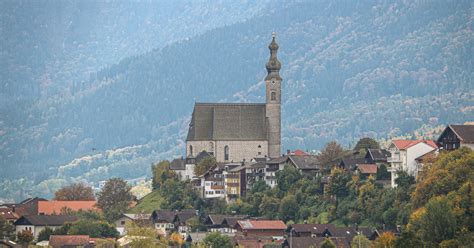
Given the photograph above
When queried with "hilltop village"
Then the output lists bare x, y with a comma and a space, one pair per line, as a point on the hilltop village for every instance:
235, 188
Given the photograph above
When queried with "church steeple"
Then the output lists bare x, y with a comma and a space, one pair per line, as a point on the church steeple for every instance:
273, 103
273, 65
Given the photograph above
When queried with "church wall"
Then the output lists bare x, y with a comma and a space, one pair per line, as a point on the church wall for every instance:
199, 146
239, 150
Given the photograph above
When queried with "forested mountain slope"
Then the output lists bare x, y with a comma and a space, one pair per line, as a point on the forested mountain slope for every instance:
350, 69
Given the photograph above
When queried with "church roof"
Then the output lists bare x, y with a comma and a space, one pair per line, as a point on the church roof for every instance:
228, 121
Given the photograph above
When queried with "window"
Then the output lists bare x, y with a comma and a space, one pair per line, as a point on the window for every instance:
259, 153
273, 96
226, 153
211, 147
259, 146
191, 150
122, 222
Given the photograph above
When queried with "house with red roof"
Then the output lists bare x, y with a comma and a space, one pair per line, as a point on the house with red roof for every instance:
55, 207
404, 154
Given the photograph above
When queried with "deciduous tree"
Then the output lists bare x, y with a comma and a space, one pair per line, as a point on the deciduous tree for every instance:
331, 152
25, 237
75, 192
114, 198
204, 165
215, 239
7, 230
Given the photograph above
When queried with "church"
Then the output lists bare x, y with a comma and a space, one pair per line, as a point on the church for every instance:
234, 132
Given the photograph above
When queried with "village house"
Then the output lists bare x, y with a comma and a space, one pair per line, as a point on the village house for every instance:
456, 136
377, 156
8, 214
271, 167
125, 219
366, 170
404, 153
36, 223
223, 223
172, 220
261, 228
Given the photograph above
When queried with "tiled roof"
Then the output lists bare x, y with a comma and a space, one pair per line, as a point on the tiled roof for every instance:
8, 213
163, 215
427, 156
262, 224
178, 164
405, 144
45, 220
300, 153
54, 207
379, 155
351, 162
305, 162
68, 240
279, 160
312, 228
464, 132
367, 168
228, 121
305, 242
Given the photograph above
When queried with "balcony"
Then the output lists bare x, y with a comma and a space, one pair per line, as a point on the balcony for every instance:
394, 160
218, 187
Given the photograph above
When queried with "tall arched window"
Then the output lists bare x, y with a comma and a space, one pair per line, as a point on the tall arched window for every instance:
273, 96
226, 153
191, 151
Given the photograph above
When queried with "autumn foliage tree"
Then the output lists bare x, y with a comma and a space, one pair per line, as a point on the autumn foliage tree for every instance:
75, 192
25, 237
331, 152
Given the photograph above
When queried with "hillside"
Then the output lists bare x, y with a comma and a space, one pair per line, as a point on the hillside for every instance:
350, 70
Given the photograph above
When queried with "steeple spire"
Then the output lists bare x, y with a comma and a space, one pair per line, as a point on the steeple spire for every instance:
273, 65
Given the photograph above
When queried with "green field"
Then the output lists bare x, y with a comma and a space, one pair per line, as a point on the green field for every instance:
148, 203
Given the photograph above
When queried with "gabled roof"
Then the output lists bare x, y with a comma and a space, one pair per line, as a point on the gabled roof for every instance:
215, 219
305, 242
68, 240
228, 121
231, 221
299, 153
261, 224
367, 168
405, 144
279, 160
378, 155
343, 232
351, 162
8, 213
138, 216
186, 214
305, 162
178, 164
430, 156
45, 220
164, 215
465, 133
54, 207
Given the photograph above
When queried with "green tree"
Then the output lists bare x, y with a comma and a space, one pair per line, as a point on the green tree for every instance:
25, 237
161, 173
259, 186
338, 182
382, 173
408, 239
7, 230
437, 222
404, 180
269, 207
204, 165
141, 236
288, 208
366, 143
75, 192
360, 241
114, 198
44, 234
215, 239
287, 177
327, 243
95, 229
